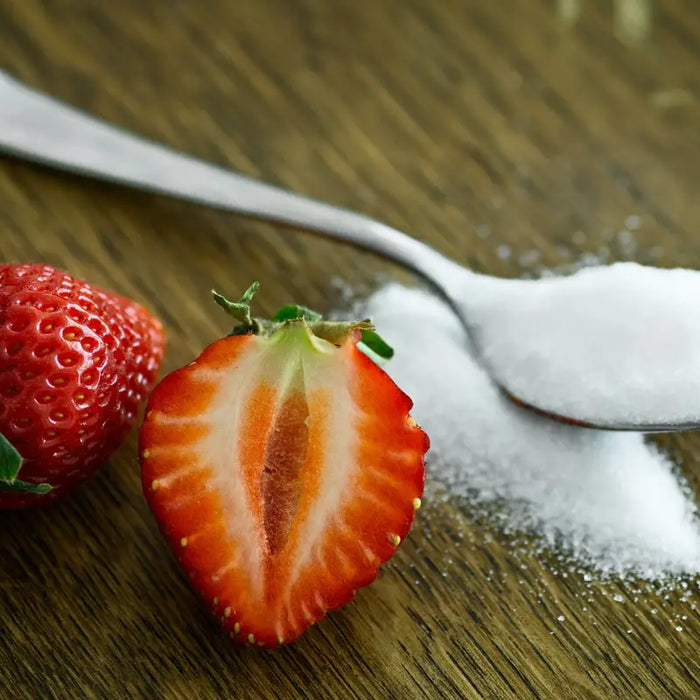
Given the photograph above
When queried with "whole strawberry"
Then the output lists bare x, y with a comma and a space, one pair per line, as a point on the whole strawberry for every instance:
75, 363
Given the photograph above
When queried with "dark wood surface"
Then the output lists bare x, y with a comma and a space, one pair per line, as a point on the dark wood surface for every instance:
512, 135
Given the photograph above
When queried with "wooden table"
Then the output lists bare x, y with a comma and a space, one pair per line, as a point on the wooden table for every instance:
512, 135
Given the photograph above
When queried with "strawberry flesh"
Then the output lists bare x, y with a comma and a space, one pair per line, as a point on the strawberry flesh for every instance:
280, 482
284, 470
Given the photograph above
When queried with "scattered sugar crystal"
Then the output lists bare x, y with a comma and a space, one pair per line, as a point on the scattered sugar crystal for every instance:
618, 598
561, 618
503, 252
483, 231
633, 222
608, 499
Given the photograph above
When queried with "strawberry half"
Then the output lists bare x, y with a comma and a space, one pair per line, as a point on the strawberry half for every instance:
284, 468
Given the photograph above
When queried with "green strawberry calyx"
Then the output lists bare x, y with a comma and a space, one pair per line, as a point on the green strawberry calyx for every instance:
332, 331
10, 464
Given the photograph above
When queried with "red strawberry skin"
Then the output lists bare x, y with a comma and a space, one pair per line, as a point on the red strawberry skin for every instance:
282, 478
75, 363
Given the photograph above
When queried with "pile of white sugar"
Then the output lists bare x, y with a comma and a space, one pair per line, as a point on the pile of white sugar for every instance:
610, 500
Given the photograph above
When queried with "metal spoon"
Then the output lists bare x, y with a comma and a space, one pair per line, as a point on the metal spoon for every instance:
38, 128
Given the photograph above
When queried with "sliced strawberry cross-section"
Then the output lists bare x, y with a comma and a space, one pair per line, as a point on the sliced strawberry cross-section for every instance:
284, 468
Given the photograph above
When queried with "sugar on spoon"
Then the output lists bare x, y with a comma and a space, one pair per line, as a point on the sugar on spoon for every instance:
612, 347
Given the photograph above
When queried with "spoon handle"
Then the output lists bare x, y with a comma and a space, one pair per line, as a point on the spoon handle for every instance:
36, 127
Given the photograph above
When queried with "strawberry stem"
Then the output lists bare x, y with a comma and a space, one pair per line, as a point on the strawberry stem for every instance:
10, 464
332, 331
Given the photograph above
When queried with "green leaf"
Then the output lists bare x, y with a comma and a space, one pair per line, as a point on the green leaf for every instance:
294, 312
18, 486
240, 310
249, 293
377, 344
10, 460
10, 464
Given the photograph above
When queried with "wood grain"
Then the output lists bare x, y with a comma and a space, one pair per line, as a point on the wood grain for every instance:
502, 134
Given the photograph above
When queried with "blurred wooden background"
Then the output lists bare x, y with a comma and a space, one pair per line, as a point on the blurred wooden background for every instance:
515, 135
